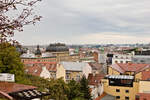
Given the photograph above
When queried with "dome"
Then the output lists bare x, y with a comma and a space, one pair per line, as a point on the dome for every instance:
58, 47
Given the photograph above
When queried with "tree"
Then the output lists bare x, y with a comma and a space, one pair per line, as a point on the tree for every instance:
74, 91
10, 61
58, 89
14, 14
85, 88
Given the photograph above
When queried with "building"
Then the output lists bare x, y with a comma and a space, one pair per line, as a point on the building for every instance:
98, 68
145, 59
73, 70
144, 91
45, 70
96, 85
54, 53
124, 80
121, 58
14, 91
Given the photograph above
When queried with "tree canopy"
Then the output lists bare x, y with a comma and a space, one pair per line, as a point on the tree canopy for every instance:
10, 61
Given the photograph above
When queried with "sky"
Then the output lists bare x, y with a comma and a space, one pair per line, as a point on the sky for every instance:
89, 22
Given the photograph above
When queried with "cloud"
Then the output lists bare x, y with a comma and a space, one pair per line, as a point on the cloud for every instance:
69, 20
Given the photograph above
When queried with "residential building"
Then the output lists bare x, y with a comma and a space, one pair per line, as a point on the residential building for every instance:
121, 58
145, 59
73, 70
95, 85
124, 80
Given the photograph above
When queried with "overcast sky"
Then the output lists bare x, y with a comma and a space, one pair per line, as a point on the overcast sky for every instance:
89, 22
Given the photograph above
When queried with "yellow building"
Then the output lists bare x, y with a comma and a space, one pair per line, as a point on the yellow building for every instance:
72, 70
124, 80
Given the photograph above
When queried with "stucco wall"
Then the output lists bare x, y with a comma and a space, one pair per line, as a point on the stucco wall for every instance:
112, 90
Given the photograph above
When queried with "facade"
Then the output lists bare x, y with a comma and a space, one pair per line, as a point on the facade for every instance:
141, 59
121, 58
125, 81
73, 70
95, 85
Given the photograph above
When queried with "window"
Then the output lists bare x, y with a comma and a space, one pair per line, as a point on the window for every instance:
126, 98
116, 61
117, 97
127, 91
117, 90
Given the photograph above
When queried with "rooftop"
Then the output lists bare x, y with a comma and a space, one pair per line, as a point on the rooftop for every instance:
74, 66
120, 77
95, 79
129, 67
14, 87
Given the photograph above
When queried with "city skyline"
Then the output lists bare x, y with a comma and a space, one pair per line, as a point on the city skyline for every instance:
89, 22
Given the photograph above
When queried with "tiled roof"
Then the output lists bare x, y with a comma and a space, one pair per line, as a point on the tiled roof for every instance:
95, 66
36, 69
129, 67
144, 95
146, 75
95, 79
33, 62
13, 87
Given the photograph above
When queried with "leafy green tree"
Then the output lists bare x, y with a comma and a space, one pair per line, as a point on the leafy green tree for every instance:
58, 89
10, 61
85, 88
74, 91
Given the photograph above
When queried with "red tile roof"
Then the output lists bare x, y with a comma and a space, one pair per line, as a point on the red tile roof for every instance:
13, 87
130, 67
36, 69
95, 79
40, 62
146, 75
144, 96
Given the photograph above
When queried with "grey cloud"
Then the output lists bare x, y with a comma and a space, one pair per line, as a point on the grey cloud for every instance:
64, 19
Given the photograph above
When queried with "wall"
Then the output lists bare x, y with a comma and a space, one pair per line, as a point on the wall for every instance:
60, 72
45, 73
86, 70
121, 58
144, 87
112, 90
111, 71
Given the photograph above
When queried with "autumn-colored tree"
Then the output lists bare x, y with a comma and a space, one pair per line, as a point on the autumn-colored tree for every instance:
14, 14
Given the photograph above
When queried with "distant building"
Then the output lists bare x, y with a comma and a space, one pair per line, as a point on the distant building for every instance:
121, 58
54, 53
145, 59
73, 70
